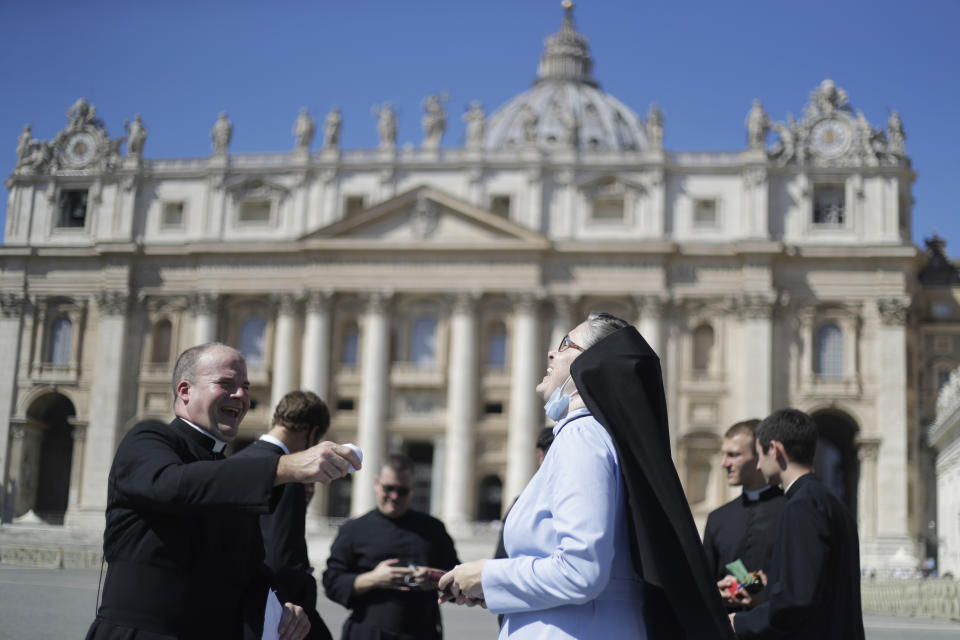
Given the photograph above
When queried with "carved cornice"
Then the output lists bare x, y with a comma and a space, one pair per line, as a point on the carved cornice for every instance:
12, 304
893, 311
706, 306
756, 306
653, 305
112, 303
156, 304
754, 176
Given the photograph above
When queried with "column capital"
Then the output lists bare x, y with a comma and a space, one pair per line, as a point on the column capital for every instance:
12, 304
464, 301
653, 304
868, 448
79, 432
112, 303
893, 311
378, 301
285, 302
755, 306
319, 299
563, 304
204, 302
526, 301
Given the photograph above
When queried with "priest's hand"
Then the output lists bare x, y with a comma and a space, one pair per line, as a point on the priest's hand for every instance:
324, 463
732, 593
463, 584
294, 624
386, 575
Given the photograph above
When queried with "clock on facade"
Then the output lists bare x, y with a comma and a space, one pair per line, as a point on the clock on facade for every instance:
830, 138
80, 149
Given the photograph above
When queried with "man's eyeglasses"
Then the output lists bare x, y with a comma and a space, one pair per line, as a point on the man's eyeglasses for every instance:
567, 343
397, 489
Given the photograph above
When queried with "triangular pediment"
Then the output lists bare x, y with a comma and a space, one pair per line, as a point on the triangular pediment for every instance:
430, 218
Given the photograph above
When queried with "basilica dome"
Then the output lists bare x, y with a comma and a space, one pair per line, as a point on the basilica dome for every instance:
565, 107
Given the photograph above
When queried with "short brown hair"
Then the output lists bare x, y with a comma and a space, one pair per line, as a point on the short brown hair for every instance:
746, 427
302, 411
400, 464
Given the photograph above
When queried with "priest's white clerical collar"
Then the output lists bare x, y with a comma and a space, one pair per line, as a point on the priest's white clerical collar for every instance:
787, 488
218, 444
269, 438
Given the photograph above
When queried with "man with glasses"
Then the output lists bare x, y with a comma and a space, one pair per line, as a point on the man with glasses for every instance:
379, 563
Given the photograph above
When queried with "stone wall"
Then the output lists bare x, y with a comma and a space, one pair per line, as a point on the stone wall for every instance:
926, 598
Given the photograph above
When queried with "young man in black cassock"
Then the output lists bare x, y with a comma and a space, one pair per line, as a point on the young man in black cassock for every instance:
300, 419
182, 544
746, 527
379, 561
813, 586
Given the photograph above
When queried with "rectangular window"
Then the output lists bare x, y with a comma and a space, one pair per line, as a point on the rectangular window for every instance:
172, 215
352, 204
493, 408
829, 204
704, 213
73, 209
500, 205
608, 209
255, 212
345, 404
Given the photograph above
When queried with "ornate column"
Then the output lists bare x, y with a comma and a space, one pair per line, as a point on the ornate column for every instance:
315, 366
109, 383
526, 408
205, 306
756, 367
563, 320
284, 346
374, 380
462, 384
867, 450
649, 309
11, 326
892, 406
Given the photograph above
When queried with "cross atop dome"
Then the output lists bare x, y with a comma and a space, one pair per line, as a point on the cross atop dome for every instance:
566, 54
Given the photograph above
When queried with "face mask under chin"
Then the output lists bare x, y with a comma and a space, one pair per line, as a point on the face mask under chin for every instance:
558, 402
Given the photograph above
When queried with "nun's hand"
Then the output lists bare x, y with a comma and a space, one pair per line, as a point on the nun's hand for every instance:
463, 584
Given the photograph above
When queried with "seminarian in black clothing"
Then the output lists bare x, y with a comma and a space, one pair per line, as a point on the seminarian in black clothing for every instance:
184, 553
378, 564
746, 527
299, 420
813, 586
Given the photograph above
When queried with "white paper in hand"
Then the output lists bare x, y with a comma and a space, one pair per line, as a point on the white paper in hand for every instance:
357, 451
271, 616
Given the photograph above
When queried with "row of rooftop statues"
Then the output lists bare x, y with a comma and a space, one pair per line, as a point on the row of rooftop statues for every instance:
791, 142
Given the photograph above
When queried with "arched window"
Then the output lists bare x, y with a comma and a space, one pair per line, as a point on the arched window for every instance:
423, 343
497, 346
61, 340
829, 351
350, 346
703, 341
490, 499
162, 336
251, 339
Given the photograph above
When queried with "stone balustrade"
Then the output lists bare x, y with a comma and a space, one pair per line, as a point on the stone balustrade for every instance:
926, 598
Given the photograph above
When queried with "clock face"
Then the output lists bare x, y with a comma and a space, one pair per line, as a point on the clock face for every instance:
830, 138
80, 149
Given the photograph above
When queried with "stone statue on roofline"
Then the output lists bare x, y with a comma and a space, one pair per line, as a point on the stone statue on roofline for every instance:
136, 137
303, 129
528, 124
655, 127
896, 134
434, 120
82, 113
331, 128
221, 134
758, 124
476, 125
386, 125
33, 155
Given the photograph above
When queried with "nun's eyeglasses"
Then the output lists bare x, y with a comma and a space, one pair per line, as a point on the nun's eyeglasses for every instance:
567, 343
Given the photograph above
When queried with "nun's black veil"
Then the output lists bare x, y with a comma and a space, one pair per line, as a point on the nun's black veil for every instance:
619, 379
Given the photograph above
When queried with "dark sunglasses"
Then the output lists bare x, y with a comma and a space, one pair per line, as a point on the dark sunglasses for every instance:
567, 343
397, 489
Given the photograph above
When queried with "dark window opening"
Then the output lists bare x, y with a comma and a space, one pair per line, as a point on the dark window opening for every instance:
73, 209
493, 407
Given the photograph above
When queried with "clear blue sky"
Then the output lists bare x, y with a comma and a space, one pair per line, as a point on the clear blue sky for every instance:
703, 61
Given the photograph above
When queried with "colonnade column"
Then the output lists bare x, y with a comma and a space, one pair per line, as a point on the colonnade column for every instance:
892, 406
867, 491
79, 437
562, 320
284, 347
756, 367
649, 309
526, 409
315, 364
375, 370
109, 382
205, 306
11, 322
462, 381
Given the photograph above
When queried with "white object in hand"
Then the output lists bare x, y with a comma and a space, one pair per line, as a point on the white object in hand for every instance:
357, 451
